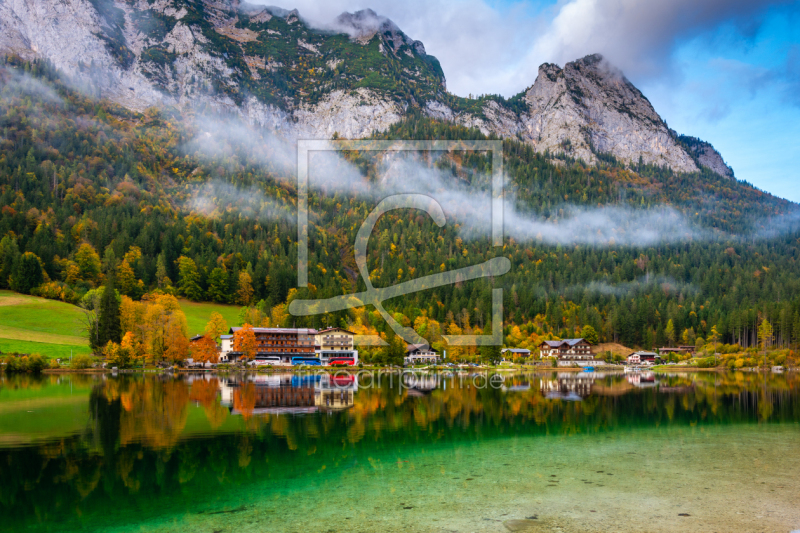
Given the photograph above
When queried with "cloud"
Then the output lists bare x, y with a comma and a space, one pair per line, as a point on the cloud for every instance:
14, 83
217, 197
791, 73
469, 205
492, 47
640, 36
775, 226
644, 284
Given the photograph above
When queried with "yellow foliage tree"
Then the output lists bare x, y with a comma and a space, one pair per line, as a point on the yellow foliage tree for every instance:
216, 326
244, 293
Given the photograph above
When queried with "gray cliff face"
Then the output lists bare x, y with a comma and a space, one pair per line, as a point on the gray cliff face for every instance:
588, 106
143, 53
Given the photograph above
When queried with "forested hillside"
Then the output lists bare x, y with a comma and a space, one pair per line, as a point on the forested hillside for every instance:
88, 188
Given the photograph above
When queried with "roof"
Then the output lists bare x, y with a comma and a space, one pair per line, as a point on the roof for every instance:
649, 354
226, 336
516, 350
326, 330
304, 331
196, 338
568, 342
418, 348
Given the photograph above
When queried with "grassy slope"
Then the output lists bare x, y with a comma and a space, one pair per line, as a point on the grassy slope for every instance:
34, 325
197, 315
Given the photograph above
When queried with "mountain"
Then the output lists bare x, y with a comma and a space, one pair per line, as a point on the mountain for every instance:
358, 75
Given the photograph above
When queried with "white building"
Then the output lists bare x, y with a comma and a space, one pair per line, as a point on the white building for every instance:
420, 353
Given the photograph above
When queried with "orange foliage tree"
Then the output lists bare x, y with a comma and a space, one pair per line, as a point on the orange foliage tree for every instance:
204, 350
244, 341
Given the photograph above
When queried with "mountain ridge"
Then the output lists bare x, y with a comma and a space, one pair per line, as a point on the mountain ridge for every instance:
358, 75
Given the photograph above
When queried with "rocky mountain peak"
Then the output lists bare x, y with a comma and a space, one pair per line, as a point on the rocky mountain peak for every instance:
364, 24
589, 107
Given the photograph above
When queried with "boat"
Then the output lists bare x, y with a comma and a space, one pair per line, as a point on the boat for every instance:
588, 369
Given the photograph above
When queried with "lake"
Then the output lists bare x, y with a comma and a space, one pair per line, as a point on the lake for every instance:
555, 451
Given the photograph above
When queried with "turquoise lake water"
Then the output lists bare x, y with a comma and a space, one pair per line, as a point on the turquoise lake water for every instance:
418, 452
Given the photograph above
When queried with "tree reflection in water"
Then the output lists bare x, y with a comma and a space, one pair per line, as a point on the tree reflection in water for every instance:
155, 442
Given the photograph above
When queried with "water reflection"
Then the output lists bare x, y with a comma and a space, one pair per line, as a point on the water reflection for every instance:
132, 445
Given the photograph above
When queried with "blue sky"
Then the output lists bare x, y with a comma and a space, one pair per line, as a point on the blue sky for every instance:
726, 71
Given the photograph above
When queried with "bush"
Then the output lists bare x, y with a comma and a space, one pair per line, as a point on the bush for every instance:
81, 362
56, 290
16, 364
36, 363
706, 362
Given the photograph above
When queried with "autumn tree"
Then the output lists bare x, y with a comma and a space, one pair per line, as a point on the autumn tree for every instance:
765, 337
118, 355
216, 327
670, 332
714, 337
89, 265
204, 350
244, 341
177, 344
162, 279
590, 334
244, 292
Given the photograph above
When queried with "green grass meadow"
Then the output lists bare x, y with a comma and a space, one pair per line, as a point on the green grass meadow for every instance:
198, 314
29, 324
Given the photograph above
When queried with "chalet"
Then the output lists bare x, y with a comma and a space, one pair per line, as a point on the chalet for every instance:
568, 352
638, 358
420, 353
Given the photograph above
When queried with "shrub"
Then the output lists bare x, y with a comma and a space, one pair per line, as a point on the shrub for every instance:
81, 362
16, 364
56, 290
36, 363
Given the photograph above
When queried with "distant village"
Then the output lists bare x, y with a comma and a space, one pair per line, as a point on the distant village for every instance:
337, 347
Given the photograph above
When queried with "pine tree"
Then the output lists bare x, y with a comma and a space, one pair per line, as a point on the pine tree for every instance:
189, 279
28, 273
109, 328
218, 285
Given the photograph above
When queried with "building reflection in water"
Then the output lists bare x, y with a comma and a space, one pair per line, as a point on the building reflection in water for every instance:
571, 386
287, 393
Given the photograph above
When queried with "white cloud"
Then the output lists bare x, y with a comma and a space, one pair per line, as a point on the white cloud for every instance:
490, 47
